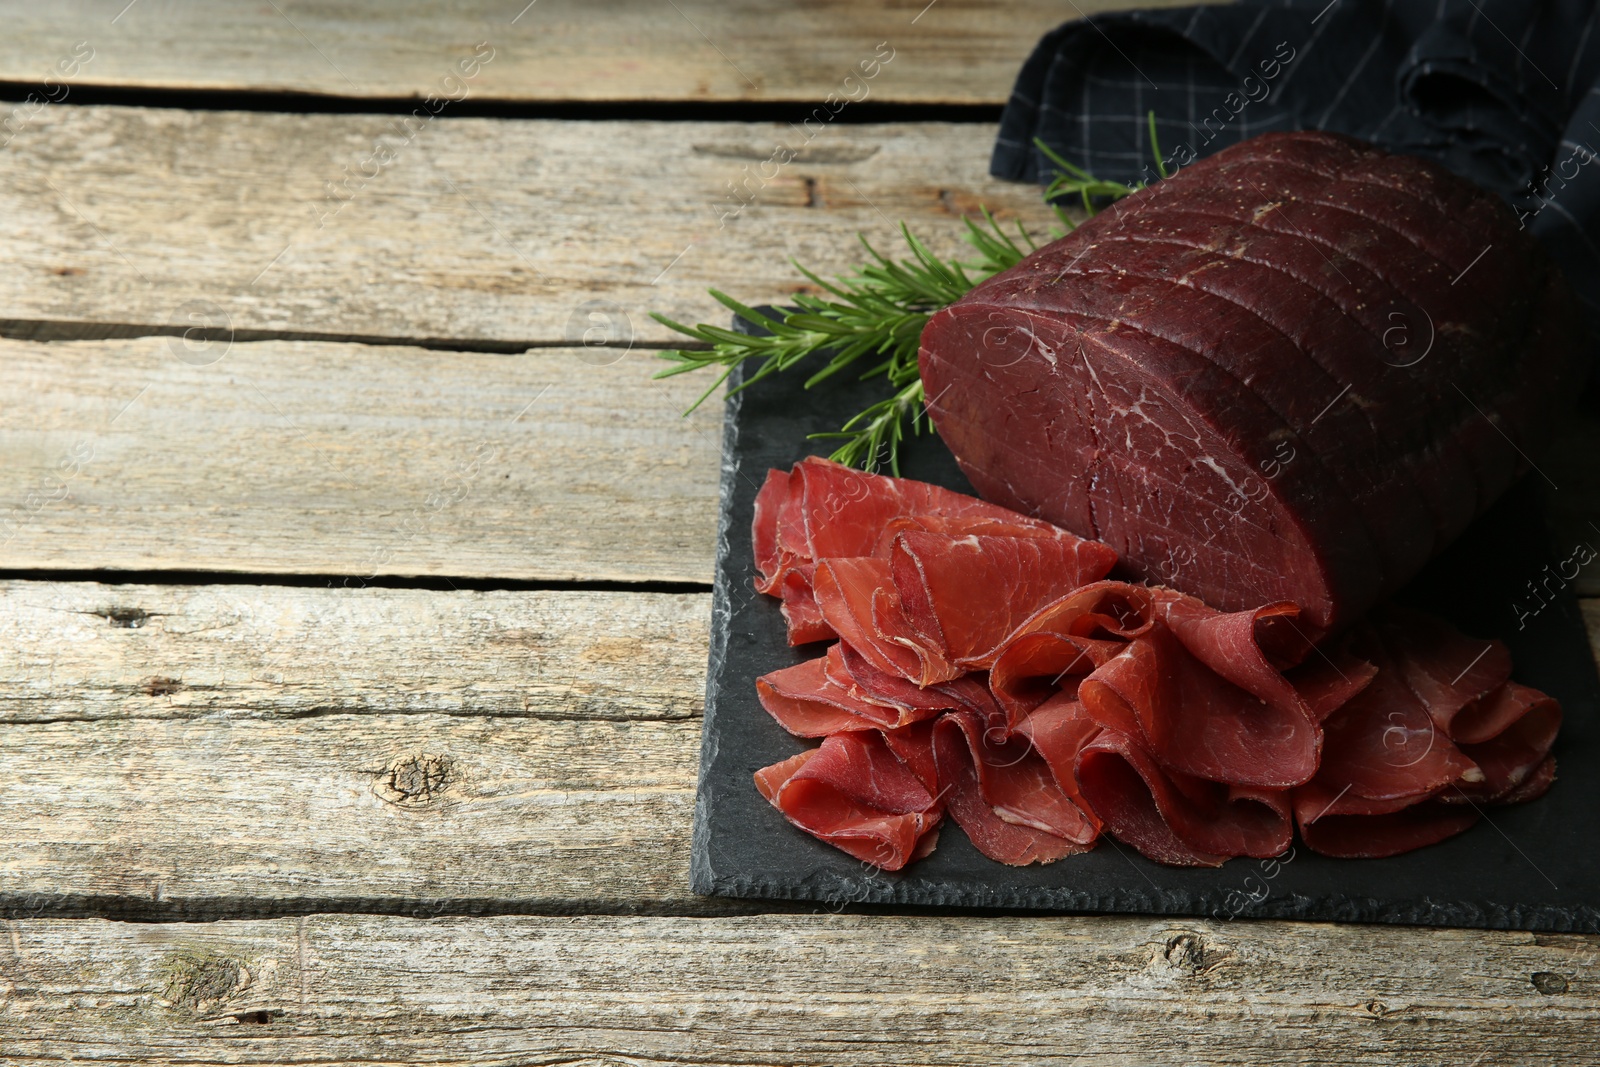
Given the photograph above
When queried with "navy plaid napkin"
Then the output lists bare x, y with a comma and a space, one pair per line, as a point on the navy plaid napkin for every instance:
1501, 91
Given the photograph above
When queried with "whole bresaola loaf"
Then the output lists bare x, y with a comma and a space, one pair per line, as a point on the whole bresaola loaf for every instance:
1293, 371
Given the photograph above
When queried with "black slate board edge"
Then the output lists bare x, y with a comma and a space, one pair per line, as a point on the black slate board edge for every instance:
701, 878
742, 848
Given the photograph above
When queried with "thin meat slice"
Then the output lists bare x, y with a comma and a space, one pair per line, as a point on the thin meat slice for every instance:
1059, 729
858, 600
1198, 723
1383, 745
800, 609
853, 793
1511, 758
913, 702
1004, 806
1176, 819
1035, 667
770, 500
1455, 676
845, 512
965, 595
808, 701
1337, 823
1114, 772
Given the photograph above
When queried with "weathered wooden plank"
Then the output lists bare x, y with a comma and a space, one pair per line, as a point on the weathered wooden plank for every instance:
223, 816
85, 651
794, 989
468, 229
354, 461
949, 51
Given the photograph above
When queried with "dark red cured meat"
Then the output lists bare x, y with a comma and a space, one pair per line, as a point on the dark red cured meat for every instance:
808, 701
1196, 722
965, 595
858, 599
1176, 819
1004, 796
854, 793
1143, 382
823, 510
1070, 705
1058, 730
1351, 828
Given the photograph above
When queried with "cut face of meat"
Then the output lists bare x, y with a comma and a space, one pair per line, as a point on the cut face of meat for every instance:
1219, 376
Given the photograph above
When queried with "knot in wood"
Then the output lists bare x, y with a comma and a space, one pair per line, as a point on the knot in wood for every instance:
1191, 954
197, 981
415, 778
1549, 983
126, 618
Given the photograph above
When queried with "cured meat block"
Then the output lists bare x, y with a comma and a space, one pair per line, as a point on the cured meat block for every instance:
1292, 372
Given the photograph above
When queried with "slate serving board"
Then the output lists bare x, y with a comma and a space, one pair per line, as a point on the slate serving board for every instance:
1532, 867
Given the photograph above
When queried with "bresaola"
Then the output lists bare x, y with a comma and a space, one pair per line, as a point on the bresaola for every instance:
983, 669
1293, 371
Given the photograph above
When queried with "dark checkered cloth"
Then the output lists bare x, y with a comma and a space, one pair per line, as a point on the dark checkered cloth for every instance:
1501, 91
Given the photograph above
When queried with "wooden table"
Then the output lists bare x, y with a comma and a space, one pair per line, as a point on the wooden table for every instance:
355, 611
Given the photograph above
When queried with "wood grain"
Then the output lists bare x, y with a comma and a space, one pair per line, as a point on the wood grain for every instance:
354, 461
796, 989
950, 51
469, 230
228, 816
214, 654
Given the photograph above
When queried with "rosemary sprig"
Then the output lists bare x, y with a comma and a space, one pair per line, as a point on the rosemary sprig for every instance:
879, 312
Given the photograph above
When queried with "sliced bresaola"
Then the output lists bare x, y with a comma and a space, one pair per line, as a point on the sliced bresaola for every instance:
1457, 677
858, 600
846, 512
855, 794
1383, 745
823, 510
1176, 819
964, 595
808, 700
1035, 667
1513, 757
1059, 729
1340, 824
1196, 722
1004, 796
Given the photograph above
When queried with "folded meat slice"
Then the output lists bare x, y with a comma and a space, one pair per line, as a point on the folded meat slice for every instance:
964, 595
1059, 729
822, 510
1340, 824
911, 702
1198, 723
1383, 745
1513, 758
1035, 667
855, 794
808, 701
1459, 679
858, 600
1176, 819
845, 512
1004, 796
